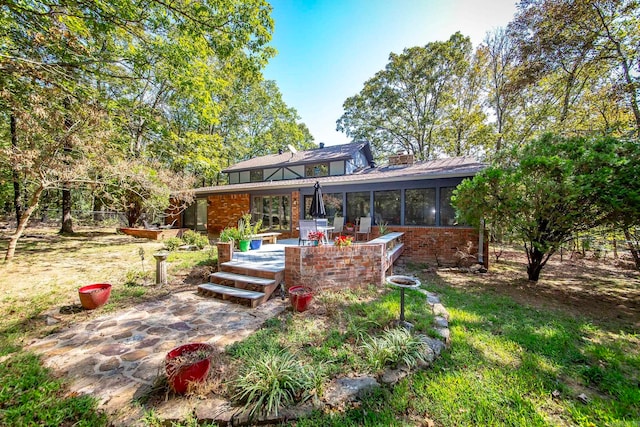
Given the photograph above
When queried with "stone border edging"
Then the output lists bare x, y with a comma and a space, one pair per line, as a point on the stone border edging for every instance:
340, 390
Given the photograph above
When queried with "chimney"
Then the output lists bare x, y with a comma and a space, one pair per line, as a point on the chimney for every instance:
321, 145
401, 159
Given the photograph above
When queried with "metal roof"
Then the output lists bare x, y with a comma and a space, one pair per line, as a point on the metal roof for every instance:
317, 155
433, 169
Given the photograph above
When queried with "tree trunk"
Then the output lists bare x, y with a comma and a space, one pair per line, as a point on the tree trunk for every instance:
536, 260
17, 204
67, 222
13, 240
632, 248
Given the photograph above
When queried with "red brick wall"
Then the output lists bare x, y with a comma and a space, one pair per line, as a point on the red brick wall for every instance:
225, 252
439, 245
225, 210
330, 267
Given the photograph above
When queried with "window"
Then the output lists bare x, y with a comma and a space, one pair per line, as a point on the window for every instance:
318, 169
256, 175
447, 212
275, 211
332, 204
387, 207
420, 206
357, 205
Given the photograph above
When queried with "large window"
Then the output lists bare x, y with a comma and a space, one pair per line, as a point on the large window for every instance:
357, 205
387, 207
275, 211
420, 206
256, 175
332, 204
447, 212
315, 170
195, 216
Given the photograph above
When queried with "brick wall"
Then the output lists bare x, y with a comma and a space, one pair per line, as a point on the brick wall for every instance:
330, 267
225, 252
439, 245
225, 210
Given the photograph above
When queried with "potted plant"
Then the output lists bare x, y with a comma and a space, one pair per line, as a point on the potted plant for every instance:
94, 296
244, 230
342, 241
187, 365
317, 237
256, 242
300, 297
349, 227
230, 234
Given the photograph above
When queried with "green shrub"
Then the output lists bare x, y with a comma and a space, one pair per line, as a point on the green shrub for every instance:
173, 243
393, 347
194, 238
271, 380
230, 234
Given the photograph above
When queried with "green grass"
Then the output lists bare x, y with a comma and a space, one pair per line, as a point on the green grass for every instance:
509, 365
30, 396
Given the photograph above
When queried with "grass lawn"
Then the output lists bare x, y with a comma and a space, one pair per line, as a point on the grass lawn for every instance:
565, 351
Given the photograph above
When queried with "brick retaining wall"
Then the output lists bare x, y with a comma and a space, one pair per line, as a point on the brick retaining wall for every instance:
331, 267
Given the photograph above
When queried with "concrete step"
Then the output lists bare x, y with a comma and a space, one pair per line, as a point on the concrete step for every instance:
261, 270
229, 293
224, 275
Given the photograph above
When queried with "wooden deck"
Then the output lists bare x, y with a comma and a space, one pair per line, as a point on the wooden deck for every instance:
152, 234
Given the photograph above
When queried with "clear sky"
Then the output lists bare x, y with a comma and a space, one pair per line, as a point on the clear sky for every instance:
327, 49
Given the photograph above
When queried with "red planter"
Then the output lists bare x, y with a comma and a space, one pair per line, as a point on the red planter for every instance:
300, 297
94, 296
181, 374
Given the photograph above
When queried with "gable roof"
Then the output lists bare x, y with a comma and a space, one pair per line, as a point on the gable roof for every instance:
455, 167
316, 155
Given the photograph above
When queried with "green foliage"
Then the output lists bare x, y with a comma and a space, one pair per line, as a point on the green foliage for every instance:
30, 396
191, 237
394, 346
172, 243
551, 188
230, 234
270, 381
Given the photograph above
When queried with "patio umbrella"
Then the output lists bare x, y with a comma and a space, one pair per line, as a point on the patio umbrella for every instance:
317, 209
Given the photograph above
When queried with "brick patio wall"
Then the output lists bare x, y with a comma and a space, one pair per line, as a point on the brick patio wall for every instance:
440, 246
332, 267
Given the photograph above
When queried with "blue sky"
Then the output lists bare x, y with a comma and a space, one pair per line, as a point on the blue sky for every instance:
327, 49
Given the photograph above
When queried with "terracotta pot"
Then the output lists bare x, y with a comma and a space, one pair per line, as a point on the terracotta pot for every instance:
94, 296
181, 374
300, 297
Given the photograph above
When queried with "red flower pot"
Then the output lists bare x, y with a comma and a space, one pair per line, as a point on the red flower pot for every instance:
94, 296
300, 297
187, 364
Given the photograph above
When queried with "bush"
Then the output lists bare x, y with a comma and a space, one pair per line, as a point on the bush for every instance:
230, 234
272, 380
394, 346
194, 238
172, 243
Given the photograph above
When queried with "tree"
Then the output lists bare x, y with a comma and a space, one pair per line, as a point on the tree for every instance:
550, 189
403, 106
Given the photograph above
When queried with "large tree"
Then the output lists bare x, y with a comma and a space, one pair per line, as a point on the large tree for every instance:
550, 189
404, 106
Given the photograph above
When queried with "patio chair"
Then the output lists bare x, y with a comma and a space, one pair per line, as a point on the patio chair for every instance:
148, 226
338, 225
306, 226
364, 227
168, 226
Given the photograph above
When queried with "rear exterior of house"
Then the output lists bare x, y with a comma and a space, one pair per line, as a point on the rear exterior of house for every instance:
409, 197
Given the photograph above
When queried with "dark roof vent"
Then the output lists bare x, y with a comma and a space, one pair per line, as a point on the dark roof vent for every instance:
321, 145
279, 150
372, 164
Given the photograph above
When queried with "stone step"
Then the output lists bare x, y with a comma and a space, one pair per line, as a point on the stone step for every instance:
254, 269
224, 275
226, 292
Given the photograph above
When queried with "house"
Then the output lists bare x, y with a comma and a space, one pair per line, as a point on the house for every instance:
411, 197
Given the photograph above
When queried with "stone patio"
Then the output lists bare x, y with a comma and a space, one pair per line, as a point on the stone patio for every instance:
118, 356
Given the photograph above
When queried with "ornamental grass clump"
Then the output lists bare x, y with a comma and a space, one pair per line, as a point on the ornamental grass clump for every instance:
270, 381
395, 346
